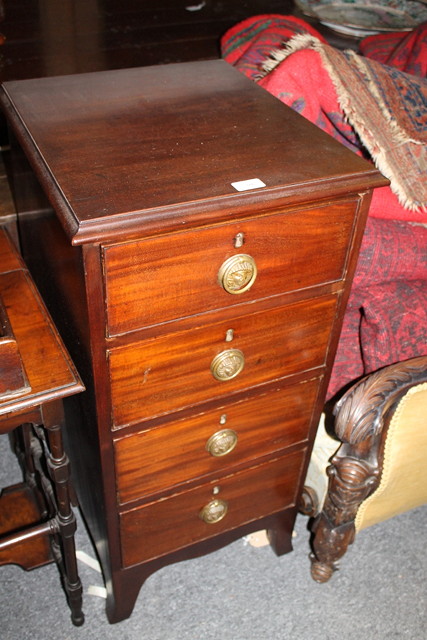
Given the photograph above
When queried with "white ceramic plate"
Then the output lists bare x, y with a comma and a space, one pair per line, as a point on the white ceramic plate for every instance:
365, 17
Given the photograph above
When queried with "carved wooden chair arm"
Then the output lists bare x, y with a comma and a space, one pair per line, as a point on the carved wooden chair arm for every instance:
362, 418
361, 412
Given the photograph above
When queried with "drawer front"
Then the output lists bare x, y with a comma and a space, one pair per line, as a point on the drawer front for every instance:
176, 522
209, 443
171, 372
178, 275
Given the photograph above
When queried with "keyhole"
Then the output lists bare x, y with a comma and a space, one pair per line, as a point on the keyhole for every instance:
239, 240
229, 336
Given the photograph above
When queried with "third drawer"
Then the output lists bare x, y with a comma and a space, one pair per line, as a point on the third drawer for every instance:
156, 459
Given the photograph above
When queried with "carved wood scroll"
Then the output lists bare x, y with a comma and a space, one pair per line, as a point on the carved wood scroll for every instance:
362, 417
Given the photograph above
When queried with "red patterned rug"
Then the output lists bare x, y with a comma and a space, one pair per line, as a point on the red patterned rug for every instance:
386, 107
374, 110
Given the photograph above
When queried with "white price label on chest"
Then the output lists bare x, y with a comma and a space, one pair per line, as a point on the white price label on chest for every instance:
245, 185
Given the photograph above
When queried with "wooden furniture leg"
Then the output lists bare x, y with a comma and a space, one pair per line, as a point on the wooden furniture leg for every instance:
60, 528
59, 471
362, 417
37, 523
28, 450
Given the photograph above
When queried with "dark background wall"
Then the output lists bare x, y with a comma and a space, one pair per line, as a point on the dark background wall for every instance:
51, 37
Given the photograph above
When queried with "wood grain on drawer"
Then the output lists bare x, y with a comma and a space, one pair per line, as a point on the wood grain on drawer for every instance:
170, 372
157, 528
173, 276
153, 460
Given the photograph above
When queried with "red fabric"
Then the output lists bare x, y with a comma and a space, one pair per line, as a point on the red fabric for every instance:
386, 316
302, 83
248, 44
386, 205
405, 51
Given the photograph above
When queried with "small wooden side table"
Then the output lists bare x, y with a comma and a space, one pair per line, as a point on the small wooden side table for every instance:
37, 523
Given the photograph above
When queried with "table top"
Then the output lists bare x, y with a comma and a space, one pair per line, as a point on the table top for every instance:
47, 367
121, 150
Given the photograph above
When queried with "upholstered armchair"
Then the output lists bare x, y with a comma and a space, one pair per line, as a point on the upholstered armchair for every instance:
378, 466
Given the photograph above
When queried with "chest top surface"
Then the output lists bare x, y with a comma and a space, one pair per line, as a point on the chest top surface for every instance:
118, 149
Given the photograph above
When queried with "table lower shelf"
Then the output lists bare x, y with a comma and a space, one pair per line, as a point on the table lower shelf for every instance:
19, 509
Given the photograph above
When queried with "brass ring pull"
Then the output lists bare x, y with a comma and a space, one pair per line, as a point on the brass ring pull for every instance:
214, 511
227, 364
237, 274
221, 443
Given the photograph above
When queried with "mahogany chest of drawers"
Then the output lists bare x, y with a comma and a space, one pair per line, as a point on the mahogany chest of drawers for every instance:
195, 241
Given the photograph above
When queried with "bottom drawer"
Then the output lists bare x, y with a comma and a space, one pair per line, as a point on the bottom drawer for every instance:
176, 522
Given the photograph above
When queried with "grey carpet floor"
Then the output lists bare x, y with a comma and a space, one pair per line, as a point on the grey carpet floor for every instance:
240, 592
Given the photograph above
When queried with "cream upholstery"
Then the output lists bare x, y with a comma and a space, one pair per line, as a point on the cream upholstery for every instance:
323, 449
403, 484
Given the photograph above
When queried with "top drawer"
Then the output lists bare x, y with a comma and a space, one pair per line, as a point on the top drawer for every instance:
181, 274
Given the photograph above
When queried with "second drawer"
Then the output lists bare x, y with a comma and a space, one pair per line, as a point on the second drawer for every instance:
170, 372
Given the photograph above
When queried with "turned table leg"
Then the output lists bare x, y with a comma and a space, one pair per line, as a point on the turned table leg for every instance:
59, 470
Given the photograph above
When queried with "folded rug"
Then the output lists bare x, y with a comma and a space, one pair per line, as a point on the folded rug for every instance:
386, 107
248, 43
367, 107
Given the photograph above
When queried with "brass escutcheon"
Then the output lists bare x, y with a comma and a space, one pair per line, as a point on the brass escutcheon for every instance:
221, 443
237, 274
227, 364
214, 511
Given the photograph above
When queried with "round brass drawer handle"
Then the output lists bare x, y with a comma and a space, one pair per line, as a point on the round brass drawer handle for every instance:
221, 443
214, 511
238, 273
227, 364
